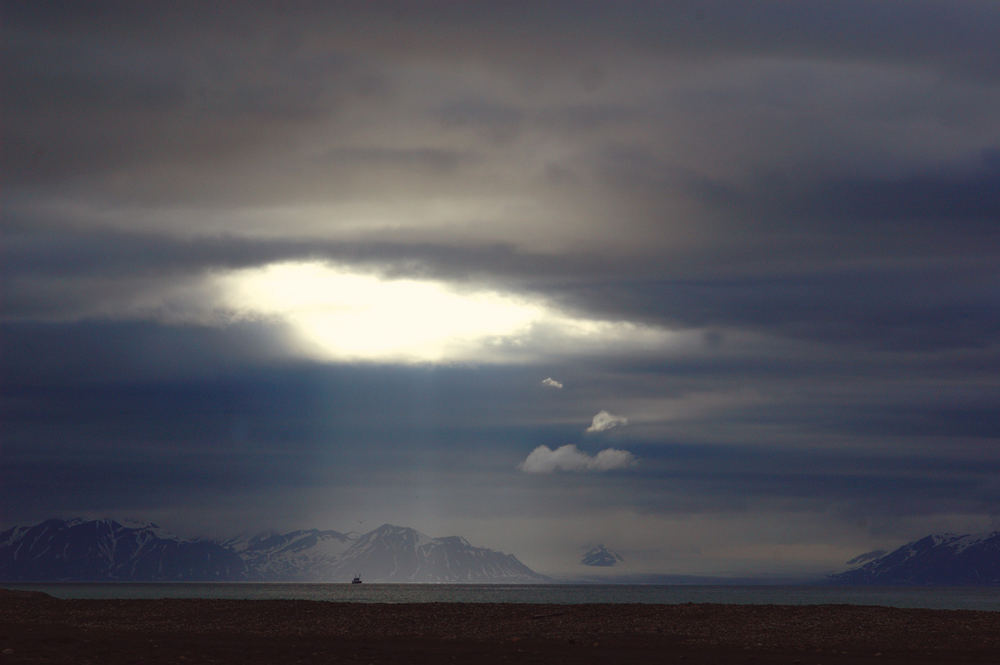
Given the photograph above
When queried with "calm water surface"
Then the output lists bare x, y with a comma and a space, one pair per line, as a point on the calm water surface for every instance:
946, 598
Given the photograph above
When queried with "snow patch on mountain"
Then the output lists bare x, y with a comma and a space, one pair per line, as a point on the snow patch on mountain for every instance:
393, 553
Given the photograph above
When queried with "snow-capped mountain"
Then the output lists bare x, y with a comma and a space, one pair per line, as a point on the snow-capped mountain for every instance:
106, 550
601, 556
946, 559
297, 555
400, 554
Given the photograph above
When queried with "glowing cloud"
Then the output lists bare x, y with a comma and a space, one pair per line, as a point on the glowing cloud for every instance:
549, 382
604, 421
570, 458
345, 315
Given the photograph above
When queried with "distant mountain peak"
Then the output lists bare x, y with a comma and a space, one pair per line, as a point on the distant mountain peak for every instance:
396, 530
402, 554
601, 556
937, 559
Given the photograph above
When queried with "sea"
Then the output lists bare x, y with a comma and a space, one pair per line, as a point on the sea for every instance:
943, 598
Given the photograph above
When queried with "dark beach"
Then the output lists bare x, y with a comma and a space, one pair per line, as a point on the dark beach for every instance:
35, 628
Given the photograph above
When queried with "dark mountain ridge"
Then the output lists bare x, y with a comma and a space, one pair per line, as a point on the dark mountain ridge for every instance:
107, 550
944, 559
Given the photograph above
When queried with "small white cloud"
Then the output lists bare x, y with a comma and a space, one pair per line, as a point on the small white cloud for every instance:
604, 421
549, 382
570, 458
612, 458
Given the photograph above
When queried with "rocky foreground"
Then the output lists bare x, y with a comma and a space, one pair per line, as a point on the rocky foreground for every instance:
35, 628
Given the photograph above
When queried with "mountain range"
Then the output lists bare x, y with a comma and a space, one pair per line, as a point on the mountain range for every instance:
946, 559
110, 550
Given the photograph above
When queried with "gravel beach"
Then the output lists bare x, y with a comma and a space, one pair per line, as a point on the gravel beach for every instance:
35, 628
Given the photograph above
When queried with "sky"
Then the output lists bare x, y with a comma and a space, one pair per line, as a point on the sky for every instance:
715, 284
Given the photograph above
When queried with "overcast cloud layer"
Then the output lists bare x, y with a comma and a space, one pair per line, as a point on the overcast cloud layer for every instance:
324, 264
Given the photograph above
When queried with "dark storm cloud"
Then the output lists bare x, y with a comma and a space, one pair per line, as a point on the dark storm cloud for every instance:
495, 120
36, 253
923, 203
915, 308
744, 475
927, 203
437, 160
60, 252
115, 84
969, 196
52, 354
808, 190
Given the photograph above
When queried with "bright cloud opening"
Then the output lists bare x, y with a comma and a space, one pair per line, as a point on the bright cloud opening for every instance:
341, 314
570, 458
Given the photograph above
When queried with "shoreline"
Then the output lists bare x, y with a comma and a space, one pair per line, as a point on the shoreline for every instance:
36, 628
943, 598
